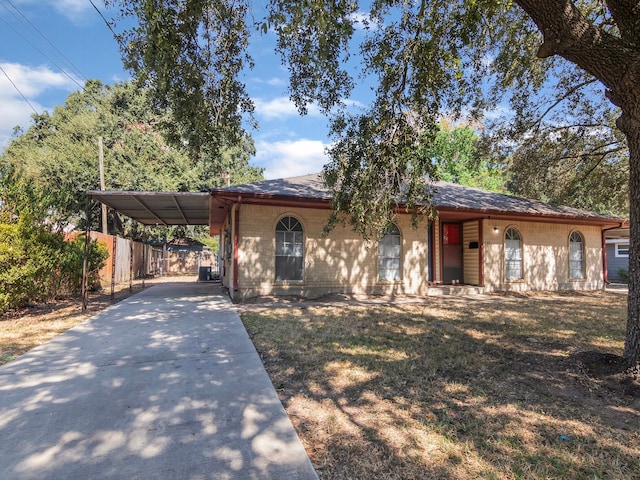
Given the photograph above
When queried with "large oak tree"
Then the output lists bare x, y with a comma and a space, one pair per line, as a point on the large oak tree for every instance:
46, 170
424, 57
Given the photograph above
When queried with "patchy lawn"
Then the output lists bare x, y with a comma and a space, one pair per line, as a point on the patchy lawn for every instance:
26, 328
457, 389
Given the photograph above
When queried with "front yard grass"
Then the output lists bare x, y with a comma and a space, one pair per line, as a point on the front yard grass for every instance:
24, 329
457, 389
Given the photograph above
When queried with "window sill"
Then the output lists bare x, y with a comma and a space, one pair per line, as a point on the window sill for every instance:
288, 282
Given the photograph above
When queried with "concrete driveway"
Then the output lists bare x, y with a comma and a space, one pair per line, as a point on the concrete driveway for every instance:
164, 385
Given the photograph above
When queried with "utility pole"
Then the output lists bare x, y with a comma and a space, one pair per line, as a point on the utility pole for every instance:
101, 163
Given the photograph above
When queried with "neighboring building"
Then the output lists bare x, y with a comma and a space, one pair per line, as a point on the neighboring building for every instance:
617, 244
187, 256
272, 243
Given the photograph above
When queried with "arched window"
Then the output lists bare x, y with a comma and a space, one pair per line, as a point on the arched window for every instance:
512, 254
289, 249
576, 255
389, 254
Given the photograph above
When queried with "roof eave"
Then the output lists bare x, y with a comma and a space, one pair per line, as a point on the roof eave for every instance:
229, 197
533, 216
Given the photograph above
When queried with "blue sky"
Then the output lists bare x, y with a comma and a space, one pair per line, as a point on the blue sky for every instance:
286, 143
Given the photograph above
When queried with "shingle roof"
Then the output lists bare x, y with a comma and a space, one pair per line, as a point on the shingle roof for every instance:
185, 242
451, 195
305, 186
448, 196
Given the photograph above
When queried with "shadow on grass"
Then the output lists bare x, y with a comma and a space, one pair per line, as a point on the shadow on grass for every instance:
147, 389
464, 391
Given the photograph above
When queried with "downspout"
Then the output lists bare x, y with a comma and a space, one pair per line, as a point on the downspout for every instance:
236, 241
481, 252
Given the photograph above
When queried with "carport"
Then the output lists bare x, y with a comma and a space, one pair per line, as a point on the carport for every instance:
150, 209
157, 208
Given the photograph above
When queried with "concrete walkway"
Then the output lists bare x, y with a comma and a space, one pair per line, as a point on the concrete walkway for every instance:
164, 385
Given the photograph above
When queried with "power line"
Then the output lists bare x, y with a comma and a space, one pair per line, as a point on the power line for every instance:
18, 90
62, 55
42, 53
104, 19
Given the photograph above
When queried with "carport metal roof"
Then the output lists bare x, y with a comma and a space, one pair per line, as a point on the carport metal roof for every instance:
158, 208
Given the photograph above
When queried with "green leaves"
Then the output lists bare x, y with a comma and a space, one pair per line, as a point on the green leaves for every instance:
29, 260
189, 55
459, 158
314, 40
586, 166
422, 60
36, 264
45, 171
375, 170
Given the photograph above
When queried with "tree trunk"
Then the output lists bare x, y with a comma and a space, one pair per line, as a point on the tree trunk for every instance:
632, 341
615, 62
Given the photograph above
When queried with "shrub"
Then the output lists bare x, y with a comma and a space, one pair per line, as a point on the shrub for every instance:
37, 264
73, 263
624, 274
30, 255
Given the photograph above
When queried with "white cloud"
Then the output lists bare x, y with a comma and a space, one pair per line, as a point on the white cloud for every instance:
499, 111
32, 82
280, 107
13, 113
362, 20
290, 158
75, 10
272, 82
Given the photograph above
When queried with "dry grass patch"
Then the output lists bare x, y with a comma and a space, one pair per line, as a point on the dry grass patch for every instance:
456, 389
26, 328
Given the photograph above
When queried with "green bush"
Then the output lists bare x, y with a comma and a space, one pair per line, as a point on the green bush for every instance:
30, 256
624, 274
36, 264
73, 262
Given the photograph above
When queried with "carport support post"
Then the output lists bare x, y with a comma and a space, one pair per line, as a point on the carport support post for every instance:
85, 261
144, 254
114, 244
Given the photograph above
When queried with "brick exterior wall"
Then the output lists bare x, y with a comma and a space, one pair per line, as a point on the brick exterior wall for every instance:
545, 257
343, 263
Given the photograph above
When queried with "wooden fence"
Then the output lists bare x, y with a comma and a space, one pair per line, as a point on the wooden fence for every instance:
128, 260
135, 260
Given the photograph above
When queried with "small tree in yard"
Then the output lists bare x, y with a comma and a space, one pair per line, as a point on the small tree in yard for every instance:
71, 268
30, 256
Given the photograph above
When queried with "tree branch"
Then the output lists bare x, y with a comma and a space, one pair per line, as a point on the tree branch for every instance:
561, 99
625, 15
569, 34
558, 128
594, 152
603, 155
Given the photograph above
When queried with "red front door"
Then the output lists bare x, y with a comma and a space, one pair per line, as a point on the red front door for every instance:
452, 253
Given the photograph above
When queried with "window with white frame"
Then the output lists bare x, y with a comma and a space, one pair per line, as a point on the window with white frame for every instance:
289, 249
622, 250
389, 255
576, 255
512, 254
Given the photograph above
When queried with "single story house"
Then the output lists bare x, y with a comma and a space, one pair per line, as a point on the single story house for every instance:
272, 243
